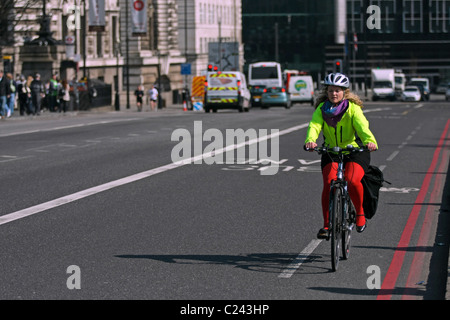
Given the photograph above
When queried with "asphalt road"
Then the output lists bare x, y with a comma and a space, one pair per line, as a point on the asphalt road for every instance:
94, 207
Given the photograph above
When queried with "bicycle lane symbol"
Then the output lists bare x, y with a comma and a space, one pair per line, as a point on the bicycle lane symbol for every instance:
261, 165
399, 190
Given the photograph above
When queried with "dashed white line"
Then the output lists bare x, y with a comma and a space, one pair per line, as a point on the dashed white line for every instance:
393, 155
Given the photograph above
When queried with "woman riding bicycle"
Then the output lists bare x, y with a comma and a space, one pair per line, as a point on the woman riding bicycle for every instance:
339, 115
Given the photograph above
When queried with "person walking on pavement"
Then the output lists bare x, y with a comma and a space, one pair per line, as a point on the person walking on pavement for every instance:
153, 96
139, 93
11, 101
5, 92
53, 93
24, 95
64, 96
37, 93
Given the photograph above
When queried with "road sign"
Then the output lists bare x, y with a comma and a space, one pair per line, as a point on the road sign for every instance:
186, 69
225, 55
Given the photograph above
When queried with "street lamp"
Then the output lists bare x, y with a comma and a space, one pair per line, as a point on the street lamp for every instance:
45, 35
117, 102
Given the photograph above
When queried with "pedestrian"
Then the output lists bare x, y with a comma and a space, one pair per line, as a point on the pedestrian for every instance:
64, 96
139, 93
5, 91
37, 93
11, 101
339, 115
53, 93
24, 95
153, 96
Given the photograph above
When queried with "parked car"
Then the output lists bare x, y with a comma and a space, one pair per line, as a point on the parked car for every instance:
411, 93
275, 96
447, 94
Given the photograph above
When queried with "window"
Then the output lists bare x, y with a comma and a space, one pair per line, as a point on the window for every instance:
355, 15
412, 16
439, 15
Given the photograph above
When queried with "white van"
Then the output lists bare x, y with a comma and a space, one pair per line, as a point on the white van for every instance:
301, 89
226, 90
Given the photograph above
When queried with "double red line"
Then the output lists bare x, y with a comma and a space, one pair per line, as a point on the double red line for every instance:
388, 285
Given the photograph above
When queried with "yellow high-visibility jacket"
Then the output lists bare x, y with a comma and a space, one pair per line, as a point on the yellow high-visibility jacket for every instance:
353, 121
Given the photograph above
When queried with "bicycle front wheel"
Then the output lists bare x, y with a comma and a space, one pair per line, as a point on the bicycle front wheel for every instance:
348, 216
336, 226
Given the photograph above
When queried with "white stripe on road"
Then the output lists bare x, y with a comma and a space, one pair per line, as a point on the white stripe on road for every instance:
393, 155
297, 262
120, 182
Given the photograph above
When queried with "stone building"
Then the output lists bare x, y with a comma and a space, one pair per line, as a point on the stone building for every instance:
177, 31
72, 50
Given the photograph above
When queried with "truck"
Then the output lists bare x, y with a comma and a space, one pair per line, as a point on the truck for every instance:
383, 84
400, 82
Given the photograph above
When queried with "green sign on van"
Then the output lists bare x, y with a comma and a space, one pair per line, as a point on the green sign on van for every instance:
300, 84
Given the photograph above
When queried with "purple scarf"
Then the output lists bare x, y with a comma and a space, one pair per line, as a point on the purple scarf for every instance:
332, 114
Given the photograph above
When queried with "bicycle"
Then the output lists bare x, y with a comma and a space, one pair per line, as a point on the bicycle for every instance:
342, 218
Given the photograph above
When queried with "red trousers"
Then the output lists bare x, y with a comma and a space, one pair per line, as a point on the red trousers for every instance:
353, 174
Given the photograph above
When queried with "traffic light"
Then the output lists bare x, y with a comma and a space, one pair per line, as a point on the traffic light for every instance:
337, 65
212, 67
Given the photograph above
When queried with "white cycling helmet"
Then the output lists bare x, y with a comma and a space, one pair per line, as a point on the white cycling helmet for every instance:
337, 79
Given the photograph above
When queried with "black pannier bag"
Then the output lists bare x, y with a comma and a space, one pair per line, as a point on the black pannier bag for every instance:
372, 182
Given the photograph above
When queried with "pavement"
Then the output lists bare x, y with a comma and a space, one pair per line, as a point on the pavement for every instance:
133, 109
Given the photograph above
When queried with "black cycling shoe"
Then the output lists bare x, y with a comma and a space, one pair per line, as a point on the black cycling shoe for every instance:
323, 233
362, 228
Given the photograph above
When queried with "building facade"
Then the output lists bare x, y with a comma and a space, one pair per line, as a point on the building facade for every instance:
206, 22
113, 55
412, 35
177, 31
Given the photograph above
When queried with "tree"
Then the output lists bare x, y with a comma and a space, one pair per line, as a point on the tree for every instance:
11, 12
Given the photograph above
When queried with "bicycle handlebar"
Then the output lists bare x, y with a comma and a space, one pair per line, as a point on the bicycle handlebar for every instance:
349, 148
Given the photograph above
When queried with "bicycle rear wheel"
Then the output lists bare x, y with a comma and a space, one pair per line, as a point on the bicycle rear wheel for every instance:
336, 227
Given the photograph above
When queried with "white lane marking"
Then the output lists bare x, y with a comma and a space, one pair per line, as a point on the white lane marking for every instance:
297, 262
8, 134
116, 183
393, 155
376, 110
83, 194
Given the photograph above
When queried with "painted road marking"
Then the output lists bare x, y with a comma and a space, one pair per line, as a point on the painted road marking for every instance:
297, 262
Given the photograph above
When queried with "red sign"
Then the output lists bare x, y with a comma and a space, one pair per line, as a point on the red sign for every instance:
138, 5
